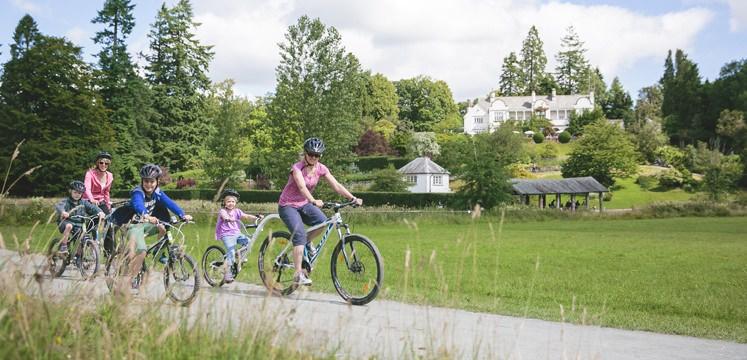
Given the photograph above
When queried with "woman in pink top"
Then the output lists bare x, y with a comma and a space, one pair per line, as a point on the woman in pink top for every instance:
99, 182
297, 206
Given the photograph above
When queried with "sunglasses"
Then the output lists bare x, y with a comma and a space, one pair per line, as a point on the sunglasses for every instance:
314, 155
104, 163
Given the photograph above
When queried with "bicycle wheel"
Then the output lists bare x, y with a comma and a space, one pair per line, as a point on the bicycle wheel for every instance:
88, 261
357, 272
56, 262
276, 263
181, 279
213, 265
116, 265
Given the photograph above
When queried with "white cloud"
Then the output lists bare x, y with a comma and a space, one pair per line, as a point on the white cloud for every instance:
738, 13
28, 6
77, 35
460, 42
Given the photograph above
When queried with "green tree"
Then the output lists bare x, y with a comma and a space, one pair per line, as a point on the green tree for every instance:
604, 152
619, 104
423, 102
648, 105
388, 180
511, 81
647, 138
533, 63
578, 121
380, 100
318, 93
177, 72
484, 171
124, 93
594, 82
424, 144
48, 99
573, 68
682, 101
732, 130
24, 37
721, 175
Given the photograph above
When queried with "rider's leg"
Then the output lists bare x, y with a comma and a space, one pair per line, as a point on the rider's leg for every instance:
66, 228
312, 215
292, 219
229, 241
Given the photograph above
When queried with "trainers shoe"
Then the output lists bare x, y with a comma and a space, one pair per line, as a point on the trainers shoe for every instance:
63, 248
227, 277
301, 279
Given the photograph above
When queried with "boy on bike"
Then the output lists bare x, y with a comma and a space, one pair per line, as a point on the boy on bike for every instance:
150, 205
68, 221
227, 229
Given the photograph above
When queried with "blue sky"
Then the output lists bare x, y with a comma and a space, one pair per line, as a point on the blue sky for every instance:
460, 42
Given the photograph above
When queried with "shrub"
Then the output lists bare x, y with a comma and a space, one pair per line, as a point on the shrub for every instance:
538, 137
185, 183
607, 196
548, 151
389, 180
564, 137
671, 179
646, 182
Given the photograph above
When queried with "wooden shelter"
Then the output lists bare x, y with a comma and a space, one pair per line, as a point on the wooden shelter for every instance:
583, 186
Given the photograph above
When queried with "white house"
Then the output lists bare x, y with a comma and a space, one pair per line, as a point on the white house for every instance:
424, 176
487, 115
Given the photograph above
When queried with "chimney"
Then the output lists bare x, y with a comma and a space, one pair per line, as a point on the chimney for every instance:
534, 97
591, 97
553, 95
492, 96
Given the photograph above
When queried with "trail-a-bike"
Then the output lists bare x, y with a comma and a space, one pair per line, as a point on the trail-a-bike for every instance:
180, 274
83, 248
214, 258
356, 265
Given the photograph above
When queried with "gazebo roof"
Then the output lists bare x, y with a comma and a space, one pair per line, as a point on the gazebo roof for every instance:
563, 186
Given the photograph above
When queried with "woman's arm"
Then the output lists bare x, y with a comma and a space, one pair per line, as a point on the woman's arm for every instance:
341, 189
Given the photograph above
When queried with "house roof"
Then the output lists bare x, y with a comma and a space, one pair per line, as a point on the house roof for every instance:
514, 103
422, 165
563, 186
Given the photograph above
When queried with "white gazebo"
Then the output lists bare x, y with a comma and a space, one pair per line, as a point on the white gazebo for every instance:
425, 176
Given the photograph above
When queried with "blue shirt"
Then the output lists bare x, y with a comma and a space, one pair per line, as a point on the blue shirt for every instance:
144, 204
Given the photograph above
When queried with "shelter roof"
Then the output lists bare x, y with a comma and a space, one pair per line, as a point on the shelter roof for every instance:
562, 186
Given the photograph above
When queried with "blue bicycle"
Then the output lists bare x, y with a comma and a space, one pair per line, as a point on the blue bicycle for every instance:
356, 266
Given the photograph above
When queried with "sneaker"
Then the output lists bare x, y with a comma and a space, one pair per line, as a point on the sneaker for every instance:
227, 278
310, 249
62, 249
301, 279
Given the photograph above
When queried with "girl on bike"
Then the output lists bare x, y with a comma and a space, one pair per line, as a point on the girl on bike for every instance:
297, 206
150, 205
227, 229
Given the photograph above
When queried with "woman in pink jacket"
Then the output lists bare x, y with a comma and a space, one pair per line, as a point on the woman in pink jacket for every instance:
99, 182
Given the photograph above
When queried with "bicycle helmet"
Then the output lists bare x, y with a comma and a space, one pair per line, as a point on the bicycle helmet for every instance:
230, 192
78, 186
150, 171
314, 146
103, 155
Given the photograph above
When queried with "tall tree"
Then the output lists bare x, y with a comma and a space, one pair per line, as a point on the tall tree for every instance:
24, 37
177, 72
594, 82
511, 81
424, 102
648, 105
48, 98
380, 100
123, 91
533, 63
682, 101
619, 104
318, 93
573, 68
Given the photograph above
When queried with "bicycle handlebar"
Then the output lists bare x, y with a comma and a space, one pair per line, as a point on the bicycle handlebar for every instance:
339, 205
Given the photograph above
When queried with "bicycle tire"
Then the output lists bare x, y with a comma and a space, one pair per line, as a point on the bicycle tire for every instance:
213, 265
277, 276
180, 270
56, 262
88, 261
359, 282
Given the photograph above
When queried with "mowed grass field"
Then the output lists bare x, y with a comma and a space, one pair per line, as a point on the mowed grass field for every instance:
683, 276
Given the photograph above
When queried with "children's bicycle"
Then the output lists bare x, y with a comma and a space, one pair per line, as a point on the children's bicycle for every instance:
356, 265
180, 275
214, 258
83, 249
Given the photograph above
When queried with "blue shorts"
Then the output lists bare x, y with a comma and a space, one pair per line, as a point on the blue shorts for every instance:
295, 218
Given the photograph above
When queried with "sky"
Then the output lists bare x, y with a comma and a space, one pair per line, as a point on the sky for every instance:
462, 42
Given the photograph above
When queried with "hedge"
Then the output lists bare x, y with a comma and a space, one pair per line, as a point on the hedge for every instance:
373, 198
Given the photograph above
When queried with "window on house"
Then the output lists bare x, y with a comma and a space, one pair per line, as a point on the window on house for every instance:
553, 115
438, 180
411, 179
561, 114
478, 120
500, 116
512, 115
527, 115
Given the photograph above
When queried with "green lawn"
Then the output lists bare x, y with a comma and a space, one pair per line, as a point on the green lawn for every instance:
682, 275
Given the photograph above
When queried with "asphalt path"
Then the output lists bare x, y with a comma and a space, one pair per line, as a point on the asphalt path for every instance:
323, 324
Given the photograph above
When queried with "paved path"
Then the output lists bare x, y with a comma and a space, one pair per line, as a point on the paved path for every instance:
322, 323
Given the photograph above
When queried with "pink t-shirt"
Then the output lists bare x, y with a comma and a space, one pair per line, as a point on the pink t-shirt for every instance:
95, 189
291, 195
228, 228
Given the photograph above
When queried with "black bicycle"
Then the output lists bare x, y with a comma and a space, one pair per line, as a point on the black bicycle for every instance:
180, 274
357, 266
83, 249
